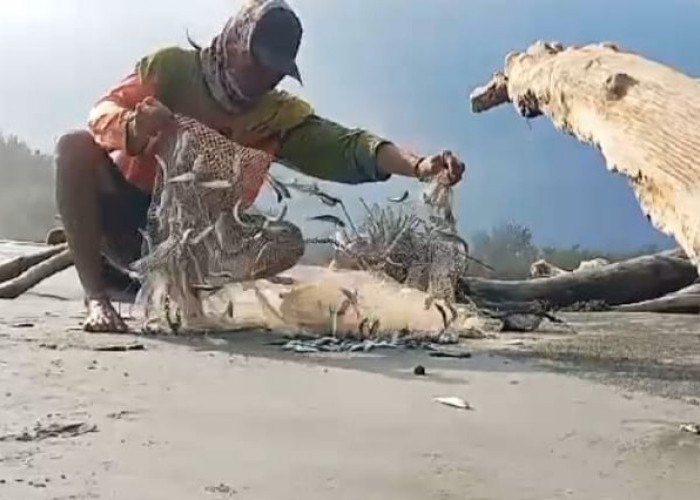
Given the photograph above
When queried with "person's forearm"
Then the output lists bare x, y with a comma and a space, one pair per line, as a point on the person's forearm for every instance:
393, 160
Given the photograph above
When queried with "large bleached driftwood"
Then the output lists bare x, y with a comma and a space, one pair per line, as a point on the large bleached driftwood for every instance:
643, 116
627, 282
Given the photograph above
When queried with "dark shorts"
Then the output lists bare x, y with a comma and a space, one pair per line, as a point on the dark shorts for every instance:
123, 211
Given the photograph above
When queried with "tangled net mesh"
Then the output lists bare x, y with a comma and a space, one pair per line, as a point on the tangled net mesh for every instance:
203, 234
192, 240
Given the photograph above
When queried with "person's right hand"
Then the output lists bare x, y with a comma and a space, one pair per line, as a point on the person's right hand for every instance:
150, 118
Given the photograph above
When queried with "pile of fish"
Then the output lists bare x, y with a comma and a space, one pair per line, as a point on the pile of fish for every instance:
302, 344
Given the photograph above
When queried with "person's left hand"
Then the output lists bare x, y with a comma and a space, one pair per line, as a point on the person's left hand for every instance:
446, 166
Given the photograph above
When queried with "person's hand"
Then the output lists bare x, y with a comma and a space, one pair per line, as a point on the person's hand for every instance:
150, 118
445, 166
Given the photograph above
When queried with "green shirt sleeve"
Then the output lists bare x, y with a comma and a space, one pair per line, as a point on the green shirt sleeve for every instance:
326, 150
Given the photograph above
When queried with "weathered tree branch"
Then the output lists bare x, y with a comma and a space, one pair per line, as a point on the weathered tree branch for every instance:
631, 281
15, 287
14, 267
642, 115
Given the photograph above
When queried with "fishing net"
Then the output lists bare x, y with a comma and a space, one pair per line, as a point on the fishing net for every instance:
199, 236
413, 245
210, 256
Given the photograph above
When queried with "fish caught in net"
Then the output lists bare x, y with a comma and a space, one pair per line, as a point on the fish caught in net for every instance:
204, 238
201, 232
423, 251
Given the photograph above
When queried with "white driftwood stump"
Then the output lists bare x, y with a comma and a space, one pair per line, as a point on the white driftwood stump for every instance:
643, 116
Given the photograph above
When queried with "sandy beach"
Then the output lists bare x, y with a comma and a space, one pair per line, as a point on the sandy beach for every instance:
231, 416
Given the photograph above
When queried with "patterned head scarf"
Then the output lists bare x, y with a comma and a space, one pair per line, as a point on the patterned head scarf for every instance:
232, 47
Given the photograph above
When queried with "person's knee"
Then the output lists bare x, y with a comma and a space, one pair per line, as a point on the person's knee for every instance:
76, 150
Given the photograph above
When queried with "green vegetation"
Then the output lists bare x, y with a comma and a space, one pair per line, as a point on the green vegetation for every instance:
27, 206
510, 250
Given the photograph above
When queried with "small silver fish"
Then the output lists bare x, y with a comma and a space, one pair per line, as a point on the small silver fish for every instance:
327, 199
182, 146
324, 341
215, 184
222, 274
385, 345
450, 355
269, 230
332, 219
163, 167
186, 177
352, 296
452, 237
391, 262
261, 253
324, 241
145, 236
357, 347
362, 325
442, 312
200, 237
449, 217
342, 309
237, 215
352, 299
692, 428
280, 189
303, 188
304, 349
400, 199
199, 165
454, 402
452, 310
283, 213
220, 229
186, 237
205, 287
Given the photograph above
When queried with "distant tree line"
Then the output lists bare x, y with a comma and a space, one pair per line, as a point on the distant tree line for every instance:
509, 248
27, 206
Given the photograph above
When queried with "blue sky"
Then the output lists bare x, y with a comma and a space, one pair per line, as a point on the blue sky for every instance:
402, 69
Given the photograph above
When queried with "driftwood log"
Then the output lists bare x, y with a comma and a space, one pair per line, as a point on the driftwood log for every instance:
631, 281
14, 267
45, 268
685, 301
642, 115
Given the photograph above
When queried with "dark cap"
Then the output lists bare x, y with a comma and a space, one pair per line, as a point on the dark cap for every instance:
276, 39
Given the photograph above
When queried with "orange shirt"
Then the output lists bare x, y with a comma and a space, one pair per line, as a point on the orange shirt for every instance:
107, 122
172, 76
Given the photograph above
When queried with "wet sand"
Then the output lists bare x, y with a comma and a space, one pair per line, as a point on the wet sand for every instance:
230, 416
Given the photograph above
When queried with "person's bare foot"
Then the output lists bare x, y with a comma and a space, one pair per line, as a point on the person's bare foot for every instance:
102, 317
